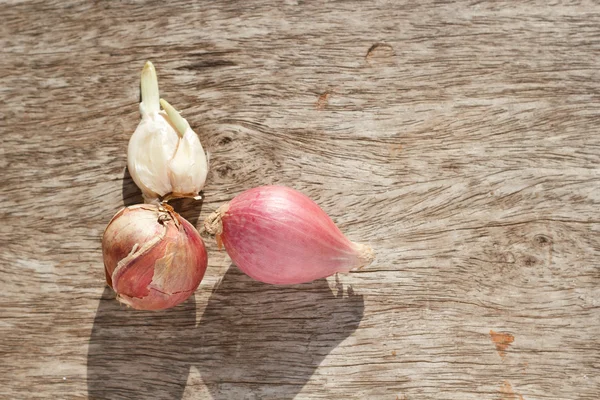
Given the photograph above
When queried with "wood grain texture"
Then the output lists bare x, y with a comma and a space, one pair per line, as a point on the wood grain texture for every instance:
460, 138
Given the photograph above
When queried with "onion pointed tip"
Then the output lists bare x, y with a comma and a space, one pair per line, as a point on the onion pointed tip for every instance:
180, 123
366, 255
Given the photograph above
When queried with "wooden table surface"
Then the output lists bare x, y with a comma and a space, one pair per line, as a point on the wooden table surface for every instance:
460, 139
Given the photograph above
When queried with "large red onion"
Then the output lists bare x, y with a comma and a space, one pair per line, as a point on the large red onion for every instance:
153, 258
278, 235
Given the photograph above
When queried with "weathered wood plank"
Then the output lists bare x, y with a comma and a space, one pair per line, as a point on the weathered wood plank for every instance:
459, 138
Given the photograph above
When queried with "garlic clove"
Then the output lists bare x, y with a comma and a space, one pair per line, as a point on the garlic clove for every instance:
153, 143
165, 157
189, 166
150, 149
150, 95
181, 125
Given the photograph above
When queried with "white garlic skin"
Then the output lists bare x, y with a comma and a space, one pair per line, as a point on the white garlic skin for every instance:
162, 163
164, 156
188, 168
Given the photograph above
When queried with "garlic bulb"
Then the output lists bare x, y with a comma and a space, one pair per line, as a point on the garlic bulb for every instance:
164, 156
153, 258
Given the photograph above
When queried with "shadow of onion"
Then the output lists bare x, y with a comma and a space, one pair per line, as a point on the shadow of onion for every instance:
139, 354
258, 341
254, 341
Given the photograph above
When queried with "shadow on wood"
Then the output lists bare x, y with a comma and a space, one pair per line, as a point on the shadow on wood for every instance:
259, 341
131, 193
139, 354
253, 341
188, 208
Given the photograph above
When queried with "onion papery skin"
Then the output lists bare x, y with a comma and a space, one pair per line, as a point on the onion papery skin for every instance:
278, 235
153, 258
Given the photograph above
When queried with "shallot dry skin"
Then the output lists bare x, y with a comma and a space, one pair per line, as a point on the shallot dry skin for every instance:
278, 235
153, 258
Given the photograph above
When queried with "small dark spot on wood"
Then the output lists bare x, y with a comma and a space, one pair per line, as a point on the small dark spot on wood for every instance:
542, 240
225, 140
207, 64
380, 49
224, 171
530, 261
451, 166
